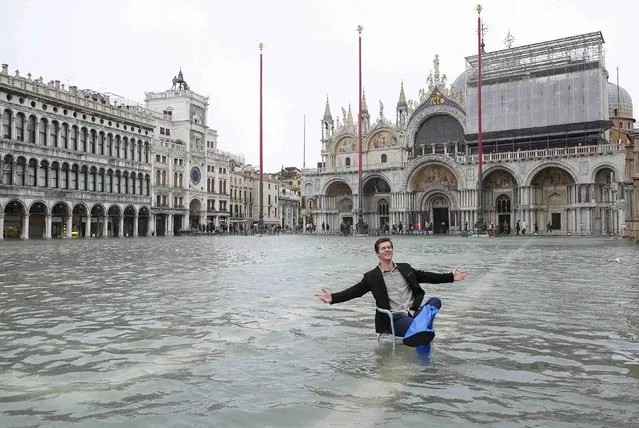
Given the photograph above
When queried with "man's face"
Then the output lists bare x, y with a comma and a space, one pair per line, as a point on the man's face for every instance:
385, 252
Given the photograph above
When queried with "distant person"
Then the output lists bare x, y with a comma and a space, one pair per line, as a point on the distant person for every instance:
395, 286
517, 227
549, 227
523, 227
536, 229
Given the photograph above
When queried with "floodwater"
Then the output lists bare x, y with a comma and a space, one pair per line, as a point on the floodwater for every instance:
223, 331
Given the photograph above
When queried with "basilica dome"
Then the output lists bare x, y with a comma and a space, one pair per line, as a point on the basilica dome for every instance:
619, 100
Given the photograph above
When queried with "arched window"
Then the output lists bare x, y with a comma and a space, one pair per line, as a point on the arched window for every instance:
31, 172
6, 124
101, 144
64, 136
73, 138
110, 145
92, 174
83, 178
99, 185
55, 169
125, 147
92, 141
20, 127
73, 178
64, 176
42, 137
20, 171
164, 178
31, 129
503, 204
108, 182
54, 131
83, 139
116, 182
384, 158
158, 176
43, 174
116, 149
175, 179
382, 207
140, 151
347, 162
7, 170
132, 148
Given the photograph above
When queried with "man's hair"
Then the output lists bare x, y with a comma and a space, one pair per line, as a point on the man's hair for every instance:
380, 241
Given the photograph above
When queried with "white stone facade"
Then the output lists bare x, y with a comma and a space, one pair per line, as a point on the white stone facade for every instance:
422, 170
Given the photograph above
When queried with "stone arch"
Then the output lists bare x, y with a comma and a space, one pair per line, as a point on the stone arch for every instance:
144, 218
129, 220
434, 159
39, 207
114, 214
345, 144
433, 175
337, 187
375, 184
381, 139
98, 211
499, 177
533, 172
597, 172
423, 114
14, 212
552, 176
15, 206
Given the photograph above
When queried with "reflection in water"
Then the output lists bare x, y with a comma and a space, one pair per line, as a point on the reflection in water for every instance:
224, 331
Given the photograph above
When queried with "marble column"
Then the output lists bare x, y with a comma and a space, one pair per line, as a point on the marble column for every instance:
47, 226
87, 227
69, 225
121, 227
1, 227
135, 226
105, 226
169, 226
25, 226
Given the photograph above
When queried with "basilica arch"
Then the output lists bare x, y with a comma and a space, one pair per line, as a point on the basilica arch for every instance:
434, 187
500, 197
376, 201
552, 196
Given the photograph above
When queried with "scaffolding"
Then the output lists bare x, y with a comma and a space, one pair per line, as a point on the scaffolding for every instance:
573, 53
540, 88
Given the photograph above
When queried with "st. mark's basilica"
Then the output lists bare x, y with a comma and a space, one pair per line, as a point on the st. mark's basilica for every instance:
554, 136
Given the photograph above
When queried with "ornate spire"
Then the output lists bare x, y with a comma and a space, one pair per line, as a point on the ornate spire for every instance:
402, 97
327, 111
349, 117
364, 106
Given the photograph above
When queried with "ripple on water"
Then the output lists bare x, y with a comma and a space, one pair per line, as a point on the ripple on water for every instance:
225, 331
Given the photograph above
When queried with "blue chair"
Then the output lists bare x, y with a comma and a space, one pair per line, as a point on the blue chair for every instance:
389, 314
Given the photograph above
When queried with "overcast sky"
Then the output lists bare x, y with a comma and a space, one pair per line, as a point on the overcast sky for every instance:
130, 47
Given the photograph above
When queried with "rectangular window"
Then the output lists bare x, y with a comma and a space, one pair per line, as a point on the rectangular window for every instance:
161, 131
158, 158
107, 183
168, 131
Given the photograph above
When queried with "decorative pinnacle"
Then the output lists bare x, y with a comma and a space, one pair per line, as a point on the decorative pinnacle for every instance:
359, 29
261, 46
478, 9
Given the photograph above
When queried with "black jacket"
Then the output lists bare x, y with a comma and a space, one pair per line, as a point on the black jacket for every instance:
373, 281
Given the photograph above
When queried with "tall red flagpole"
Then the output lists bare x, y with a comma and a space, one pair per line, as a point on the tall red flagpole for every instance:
480, 198
261, 219
360, 219
479, 130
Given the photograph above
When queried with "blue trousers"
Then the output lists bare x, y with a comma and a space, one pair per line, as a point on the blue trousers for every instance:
402, 322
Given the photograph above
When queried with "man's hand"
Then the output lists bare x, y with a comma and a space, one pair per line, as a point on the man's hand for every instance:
459, 275
324, 295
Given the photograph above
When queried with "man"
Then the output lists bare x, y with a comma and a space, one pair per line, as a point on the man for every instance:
395, 286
